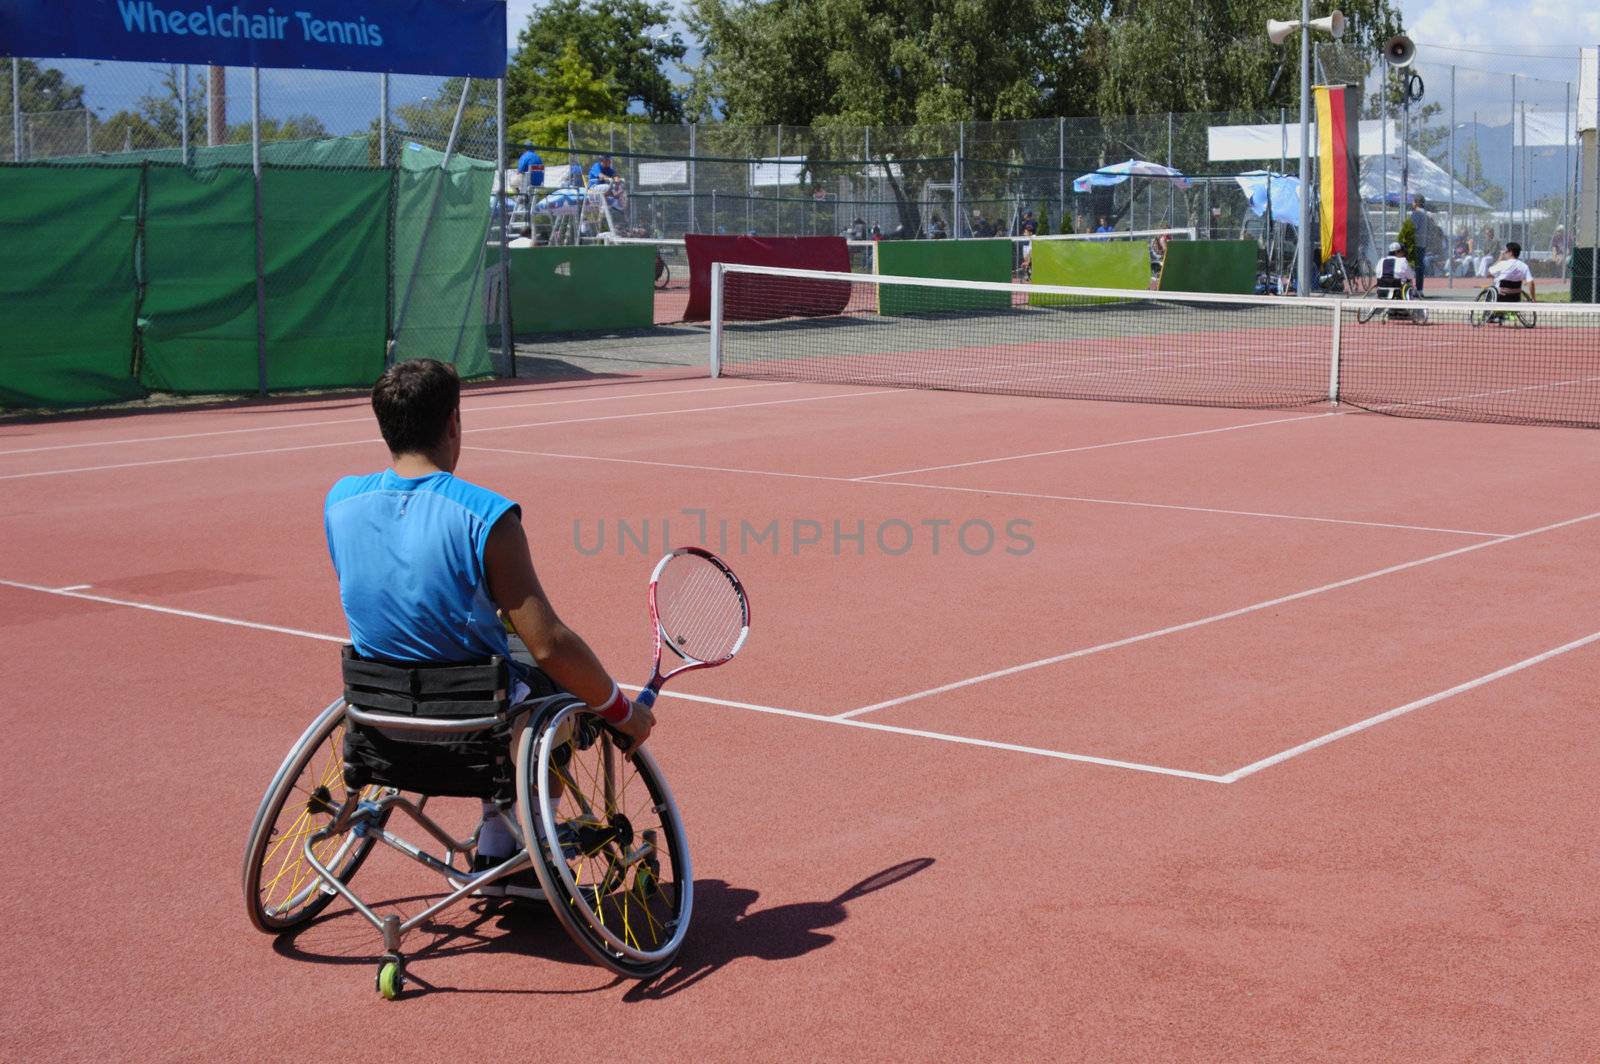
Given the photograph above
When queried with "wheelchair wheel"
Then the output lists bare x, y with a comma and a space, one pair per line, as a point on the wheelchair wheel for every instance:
1526, 318
663, 272
609, 847
1482, 317
281, 891
1367, 311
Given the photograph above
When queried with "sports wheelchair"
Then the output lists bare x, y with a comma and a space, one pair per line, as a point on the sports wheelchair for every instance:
596, 821
1383, 299
1525, 318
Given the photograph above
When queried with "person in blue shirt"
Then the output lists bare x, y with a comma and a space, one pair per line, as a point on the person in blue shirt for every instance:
602, 170
531, 167
425, 560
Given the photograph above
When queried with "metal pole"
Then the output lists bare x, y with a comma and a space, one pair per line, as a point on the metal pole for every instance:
506, 347
1566, 176
1525, 239
1170, 190
955, 196
692, 151
961, 150
261, 250
1383, 135
383, 121
16, 109
777, 222
88, 135
1511, 184
216, 105
183, 117
1594, 179
1283, 168
1450, 256
1061, 168
1303, 284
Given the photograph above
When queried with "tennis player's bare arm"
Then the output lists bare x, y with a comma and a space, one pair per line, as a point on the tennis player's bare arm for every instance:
560, 651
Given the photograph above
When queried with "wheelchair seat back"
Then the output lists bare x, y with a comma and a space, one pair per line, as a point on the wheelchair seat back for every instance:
420, 758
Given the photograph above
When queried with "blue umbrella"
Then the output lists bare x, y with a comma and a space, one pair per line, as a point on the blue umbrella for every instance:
1285, 194
1117, 173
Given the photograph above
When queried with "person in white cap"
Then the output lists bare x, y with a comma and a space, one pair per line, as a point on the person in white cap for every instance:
1394, 272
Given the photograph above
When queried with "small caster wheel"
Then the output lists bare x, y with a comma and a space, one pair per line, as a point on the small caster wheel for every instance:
391, 979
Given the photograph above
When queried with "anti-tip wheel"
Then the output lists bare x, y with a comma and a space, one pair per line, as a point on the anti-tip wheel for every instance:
391, 979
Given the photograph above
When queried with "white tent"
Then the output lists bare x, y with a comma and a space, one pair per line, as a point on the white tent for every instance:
1427, 178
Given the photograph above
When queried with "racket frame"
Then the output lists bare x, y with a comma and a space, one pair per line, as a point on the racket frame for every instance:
647, 694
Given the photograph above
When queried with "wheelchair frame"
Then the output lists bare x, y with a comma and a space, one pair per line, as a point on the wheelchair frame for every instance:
556, 729
1375, 303
1491, 294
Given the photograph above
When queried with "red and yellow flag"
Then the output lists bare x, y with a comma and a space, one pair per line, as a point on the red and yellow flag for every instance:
1334, 169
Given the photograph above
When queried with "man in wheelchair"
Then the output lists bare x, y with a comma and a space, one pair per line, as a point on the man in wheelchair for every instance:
1510, 279
424, 559
1396, 281
1395, 275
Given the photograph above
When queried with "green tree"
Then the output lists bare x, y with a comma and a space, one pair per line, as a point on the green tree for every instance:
43, 89
568, 91
1173, 55
626, 41
428, 120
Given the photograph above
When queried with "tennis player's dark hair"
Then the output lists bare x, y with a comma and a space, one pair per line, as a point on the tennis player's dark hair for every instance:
1515, 249
413, 401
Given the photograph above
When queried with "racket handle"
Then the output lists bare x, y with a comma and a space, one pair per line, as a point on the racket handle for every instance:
647, 697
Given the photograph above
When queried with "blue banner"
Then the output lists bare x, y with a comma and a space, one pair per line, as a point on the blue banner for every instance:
445, 37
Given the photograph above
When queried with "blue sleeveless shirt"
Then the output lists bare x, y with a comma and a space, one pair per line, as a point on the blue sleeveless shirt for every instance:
409, 556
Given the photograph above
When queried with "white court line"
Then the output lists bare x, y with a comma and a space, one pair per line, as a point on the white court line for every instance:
467, 432
1194, 509
1101, 446
1213, 619
367, 418
1400, 711
191, 614
961, 740
74, 587
980, 491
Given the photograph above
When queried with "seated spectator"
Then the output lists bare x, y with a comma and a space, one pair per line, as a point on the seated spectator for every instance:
1103, 227
936, 227
531, 167
602, 170
858, 229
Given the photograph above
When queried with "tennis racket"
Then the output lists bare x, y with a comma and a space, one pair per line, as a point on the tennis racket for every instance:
700, 613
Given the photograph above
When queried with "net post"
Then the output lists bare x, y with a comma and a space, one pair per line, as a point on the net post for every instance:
718, 279
1333, 360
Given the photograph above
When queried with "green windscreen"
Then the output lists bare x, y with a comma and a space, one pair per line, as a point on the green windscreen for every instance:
1088, 264
198, 321
327, 287
441, 230
965, 260
1226, 266
68, 295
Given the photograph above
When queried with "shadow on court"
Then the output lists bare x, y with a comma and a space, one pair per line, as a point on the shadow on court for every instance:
727, 927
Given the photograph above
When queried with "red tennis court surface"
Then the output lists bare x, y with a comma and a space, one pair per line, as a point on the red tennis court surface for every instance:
1201, 733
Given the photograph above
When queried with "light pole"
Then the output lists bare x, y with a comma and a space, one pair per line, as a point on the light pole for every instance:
1277, 32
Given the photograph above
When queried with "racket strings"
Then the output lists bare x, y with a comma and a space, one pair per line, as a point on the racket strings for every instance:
700, 609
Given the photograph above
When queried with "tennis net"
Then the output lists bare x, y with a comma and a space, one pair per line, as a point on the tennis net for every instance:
1523, 363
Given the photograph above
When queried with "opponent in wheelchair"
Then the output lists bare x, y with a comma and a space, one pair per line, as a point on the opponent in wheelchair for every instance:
1394, 291
1511, 282
439, 703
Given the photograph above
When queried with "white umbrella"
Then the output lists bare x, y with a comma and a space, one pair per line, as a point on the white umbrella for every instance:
1117, 173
